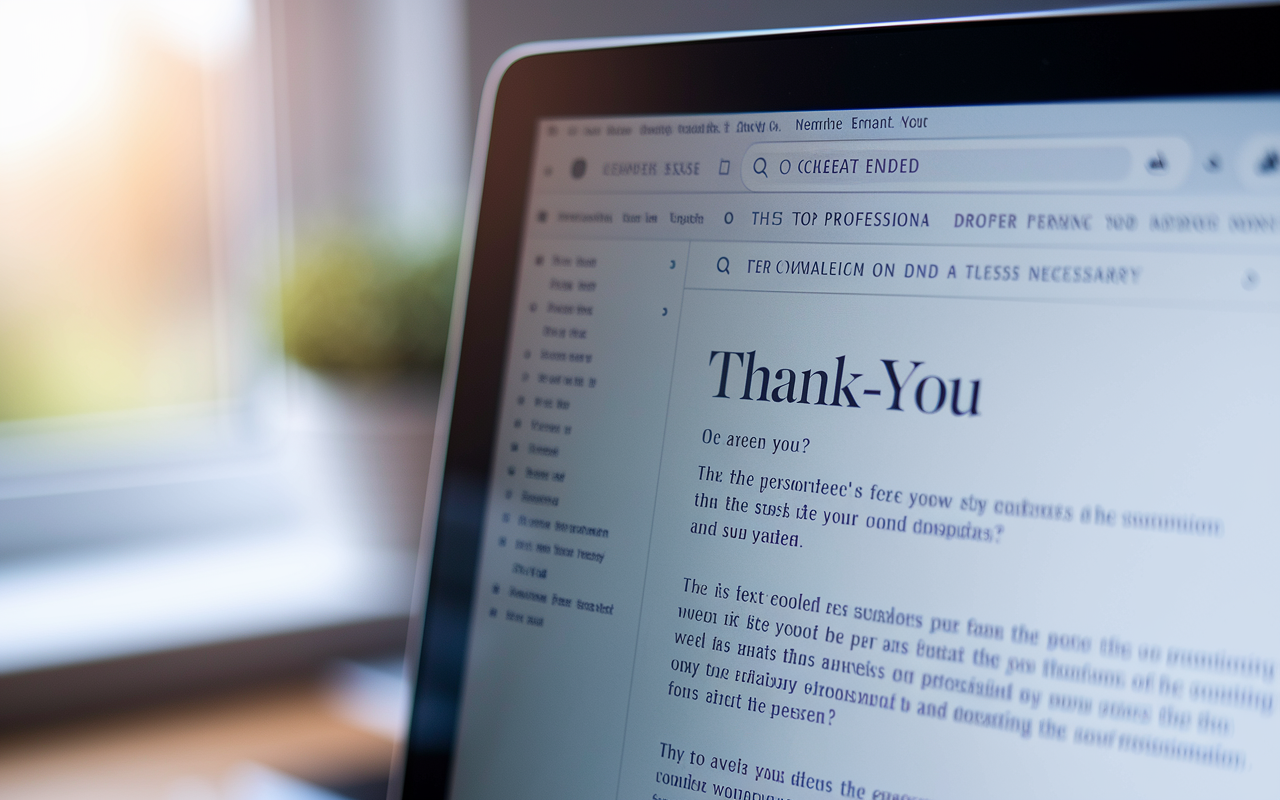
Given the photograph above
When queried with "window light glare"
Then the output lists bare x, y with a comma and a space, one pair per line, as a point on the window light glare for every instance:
209, 31
56, 62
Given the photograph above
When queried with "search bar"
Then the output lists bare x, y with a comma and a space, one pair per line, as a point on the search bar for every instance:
976, 165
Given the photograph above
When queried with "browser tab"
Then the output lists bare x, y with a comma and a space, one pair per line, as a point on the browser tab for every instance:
824, 124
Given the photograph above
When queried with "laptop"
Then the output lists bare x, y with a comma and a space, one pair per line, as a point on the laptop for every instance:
874, 412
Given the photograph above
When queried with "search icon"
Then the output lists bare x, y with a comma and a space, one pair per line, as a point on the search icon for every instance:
722, 265
760, 166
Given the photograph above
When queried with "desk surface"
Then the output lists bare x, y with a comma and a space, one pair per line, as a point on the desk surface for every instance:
193, 749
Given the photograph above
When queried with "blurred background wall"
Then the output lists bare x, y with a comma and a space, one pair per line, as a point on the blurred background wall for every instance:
377, 112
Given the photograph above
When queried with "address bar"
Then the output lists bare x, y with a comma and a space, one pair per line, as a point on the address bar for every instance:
974, 165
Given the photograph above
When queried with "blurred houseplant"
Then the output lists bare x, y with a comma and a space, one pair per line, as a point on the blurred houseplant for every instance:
354, 306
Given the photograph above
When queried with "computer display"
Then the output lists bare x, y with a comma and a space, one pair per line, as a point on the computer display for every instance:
913, 452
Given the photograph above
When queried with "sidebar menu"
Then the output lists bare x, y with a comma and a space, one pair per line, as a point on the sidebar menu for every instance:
570, 509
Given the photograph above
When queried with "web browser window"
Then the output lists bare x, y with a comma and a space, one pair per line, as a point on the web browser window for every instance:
913, 453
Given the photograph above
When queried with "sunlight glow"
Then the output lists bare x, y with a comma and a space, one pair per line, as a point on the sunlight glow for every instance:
60, 59
57, 61
209, 31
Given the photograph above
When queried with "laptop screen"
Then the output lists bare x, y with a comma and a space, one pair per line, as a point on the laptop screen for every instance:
886, 454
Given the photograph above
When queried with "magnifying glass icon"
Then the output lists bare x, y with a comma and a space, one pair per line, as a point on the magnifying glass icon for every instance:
722, 265
760, 166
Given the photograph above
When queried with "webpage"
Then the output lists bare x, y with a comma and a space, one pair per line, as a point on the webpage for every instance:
926, 453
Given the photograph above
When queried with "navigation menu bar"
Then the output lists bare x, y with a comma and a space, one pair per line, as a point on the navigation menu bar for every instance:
1238, 223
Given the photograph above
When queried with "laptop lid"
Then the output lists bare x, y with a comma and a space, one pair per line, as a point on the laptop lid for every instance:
880, 412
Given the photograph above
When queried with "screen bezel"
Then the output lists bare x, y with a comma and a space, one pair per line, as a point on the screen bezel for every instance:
1065, 58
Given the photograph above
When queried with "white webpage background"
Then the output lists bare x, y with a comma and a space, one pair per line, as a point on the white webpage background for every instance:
1151, 397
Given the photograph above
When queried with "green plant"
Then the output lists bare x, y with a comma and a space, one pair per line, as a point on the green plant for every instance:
352, 305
